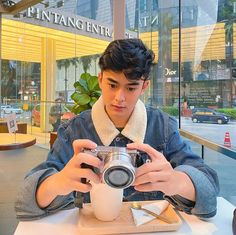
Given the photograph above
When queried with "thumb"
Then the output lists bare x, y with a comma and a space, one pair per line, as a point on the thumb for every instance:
80, 144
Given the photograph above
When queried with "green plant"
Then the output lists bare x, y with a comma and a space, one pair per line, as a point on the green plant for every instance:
173, 111
87, 92
230, 112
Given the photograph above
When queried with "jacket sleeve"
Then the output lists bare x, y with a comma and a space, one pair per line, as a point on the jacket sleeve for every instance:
204, 179
26, 206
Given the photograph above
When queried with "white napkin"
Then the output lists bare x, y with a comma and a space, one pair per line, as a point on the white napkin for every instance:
142, 217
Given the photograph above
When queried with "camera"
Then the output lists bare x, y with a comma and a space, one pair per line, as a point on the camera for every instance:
119, 165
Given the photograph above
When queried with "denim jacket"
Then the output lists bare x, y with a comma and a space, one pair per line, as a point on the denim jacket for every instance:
161, 132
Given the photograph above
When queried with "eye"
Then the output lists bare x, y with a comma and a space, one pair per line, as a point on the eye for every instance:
131, 88
112, 85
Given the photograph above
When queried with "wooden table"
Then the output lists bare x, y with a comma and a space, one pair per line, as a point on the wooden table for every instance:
66, 223
9, 141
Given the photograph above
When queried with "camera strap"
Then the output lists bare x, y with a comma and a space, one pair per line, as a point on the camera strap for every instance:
79, 196
79, 199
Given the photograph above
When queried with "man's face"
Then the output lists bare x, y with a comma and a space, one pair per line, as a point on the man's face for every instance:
120, 95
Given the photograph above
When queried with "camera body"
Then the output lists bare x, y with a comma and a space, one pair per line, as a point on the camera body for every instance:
119, 165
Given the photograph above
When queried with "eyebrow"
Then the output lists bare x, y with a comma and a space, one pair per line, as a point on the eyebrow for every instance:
129, 84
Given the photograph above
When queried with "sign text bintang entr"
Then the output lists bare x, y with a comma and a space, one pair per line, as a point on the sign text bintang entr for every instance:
68, 21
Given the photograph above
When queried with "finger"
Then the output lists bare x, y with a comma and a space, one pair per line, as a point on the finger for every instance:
89, 160
155, 166
151, 177
85, 173
154, 154
150, 187
89, 175
84, 188
79, 145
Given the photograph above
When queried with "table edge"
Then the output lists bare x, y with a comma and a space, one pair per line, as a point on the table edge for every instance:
17, 145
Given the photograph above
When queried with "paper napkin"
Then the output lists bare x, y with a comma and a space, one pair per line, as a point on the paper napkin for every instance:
142, 217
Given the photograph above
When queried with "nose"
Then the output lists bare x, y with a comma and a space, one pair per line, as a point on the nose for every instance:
120, 96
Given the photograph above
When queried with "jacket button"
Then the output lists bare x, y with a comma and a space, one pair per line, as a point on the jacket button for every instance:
117, 139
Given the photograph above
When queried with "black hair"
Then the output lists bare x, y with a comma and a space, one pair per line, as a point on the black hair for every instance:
129, 56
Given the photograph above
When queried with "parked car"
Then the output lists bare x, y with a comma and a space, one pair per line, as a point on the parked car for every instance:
7, 109
202, 110
65, 114
3, 107
209, 115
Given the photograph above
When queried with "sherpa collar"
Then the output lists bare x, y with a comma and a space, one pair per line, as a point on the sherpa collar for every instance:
134, 130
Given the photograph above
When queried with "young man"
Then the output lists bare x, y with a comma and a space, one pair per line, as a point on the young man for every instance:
119, 118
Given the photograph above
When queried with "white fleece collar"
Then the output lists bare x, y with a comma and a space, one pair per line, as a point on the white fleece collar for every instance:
135, 128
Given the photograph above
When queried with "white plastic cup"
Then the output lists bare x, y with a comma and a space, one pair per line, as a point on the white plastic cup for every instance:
106, 201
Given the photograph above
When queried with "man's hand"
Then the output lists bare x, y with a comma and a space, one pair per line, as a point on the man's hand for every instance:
69, 178
158, 175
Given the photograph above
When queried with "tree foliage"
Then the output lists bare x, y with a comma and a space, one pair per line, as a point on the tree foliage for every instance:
227, 15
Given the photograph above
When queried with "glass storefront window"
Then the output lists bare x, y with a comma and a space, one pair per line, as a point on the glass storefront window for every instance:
20, 81
207, 70
52, 44
43, 53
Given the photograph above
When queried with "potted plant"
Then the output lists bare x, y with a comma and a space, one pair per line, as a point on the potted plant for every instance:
87, 92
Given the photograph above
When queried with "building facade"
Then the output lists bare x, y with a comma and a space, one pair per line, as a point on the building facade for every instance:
46, 48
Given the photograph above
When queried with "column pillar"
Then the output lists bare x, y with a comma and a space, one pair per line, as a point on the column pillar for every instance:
0, 61
48, 81
118, 19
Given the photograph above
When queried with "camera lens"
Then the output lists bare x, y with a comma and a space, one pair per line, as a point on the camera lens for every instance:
119, 171
118, 177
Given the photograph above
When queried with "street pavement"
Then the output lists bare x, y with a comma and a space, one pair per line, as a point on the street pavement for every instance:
212, 132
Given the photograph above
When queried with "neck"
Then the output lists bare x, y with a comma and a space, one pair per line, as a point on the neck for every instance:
119, 123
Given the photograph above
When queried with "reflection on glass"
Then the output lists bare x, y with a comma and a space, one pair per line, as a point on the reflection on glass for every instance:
44, 55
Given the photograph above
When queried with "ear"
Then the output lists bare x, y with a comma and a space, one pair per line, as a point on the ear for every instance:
145, 86
100, 79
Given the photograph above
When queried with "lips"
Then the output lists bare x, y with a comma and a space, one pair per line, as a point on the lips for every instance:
118, 107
